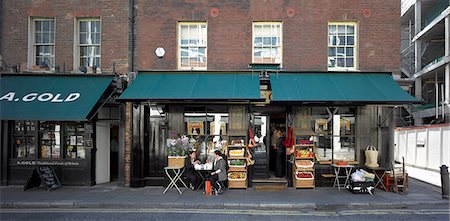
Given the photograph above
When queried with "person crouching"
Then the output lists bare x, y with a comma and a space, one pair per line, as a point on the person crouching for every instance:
219, 172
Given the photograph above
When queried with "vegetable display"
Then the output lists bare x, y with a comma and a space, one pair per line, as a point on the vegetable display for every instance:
237, 163
237, 175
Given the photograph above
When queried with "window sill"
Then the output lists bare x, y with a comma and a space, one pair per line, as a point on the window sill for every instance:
344, 69
192, 69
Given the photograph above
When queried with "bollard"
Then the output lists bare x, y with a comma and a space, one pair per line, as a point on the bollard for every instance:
444, 181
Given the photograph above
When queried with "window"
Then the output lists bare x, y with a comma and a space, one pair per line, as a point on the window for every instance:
342, 45
192, 46
43, 42
267, 42
24, 139
50, 136
334, 129
88, 44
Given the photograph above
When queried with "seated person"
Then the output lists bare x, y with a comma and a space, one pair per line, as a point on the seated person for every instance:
219, 172
191, 174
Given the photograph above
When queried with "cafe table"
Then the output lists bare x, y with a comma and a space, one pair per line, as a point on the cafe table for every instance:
337, 170
174, 174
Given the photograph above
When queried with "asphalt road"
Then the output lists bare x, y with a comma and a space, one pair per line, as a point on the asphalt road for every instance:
216, 215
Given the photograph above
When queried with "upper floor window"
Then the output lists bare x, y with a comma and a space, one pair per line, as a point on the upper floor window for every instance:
192, 45
342, 45
88, 45
42, 38
267, 42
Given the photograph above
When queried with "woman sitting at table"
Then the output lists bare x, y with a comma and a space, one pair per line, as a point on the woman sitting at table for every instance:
191, 174
219, 172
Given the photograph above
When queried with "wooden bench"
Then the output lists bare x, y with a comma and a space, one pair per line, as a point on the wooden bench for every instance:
328, 175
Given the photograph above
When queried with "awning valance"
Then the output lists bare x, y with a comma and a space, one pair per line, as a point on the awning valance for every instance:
193, 86
363, 88
50, 97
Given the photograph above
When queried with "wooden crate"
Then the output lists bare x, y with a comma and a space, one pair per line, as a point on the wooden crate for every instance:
237, 183
176, 161
304, 183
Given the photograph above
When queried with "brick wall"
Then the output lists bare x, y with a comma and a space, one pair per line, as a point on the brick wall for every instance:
114, 38
304, 33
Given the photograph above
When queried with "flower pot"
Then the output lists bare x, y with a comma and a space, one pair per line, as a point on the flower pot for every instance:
176, 161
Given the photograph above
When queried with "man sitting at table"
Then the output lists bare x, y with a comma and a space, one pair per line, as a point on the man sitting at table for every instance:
219, 172
191, 174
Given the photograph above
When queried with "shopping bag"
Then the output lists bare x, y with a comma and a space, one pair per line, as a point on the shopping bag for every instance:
371, 153
208, 189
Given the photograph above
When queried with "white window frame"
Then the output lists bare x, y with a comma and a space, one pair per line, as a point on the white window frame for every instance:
32, 45
77, 45
280, 45
355, 46
179, 48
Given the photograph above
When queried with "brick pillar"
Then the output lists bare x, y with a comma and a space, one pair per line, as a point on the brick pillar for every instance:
128, 134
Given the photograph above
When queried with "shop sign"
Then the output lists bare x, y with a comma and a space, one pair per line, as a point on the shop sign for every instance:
46, 163
41, 97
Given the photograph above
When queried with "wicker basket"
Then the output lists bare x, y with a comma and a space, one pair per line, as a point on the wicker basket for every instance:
176, 161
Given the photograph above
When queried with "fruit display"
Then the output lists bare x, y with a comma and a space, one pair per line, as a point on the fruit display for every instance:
237, 153
237, 175
304, 175
304, 153
304, 163
236, 162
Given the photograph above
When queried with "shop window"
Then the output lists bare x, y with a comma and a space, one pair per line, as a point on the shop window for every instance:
208, 126
192, 45
342, 45
42, 40
24, 139
50, 136
77, 138
88, 45
267, 42
334, 129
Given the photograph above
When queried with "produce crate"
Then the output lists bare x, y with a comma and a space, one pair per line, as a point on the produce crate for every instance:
304, 182
176, 161
237, 183
236, 153
304, 164
236, 168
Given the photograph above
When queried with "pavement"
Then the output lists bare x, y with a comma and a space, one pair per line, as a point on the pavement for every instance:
421, 195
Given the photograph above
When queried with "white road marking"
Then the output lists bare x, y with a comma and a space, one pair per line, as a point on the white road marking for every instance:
235, 211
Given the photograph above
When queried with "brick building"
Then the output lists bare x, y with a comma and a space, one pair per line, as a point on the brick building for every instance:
193, 58
51, 44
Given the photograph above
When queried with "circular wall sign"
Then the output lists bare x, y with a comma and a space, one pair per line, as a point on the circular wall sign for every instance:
160, 52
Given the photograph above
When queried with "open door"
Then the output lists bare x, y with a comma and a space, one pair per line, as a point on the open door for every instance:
102, 156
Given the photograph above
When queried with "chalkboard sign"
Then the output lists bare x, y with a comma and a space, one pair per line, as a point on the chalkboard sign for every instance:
44, 174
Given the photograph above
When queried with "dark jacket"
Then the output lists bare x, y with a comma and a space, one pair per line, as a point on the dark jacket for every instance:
189, 166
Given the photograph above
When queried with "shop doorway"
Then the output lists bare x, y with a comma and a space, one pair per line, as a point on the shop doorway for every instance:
264, 122
114, 153
277, 162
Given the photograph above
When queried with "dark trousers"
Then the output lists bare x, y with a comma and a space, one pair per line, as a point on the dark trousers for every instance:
214, 180
280, 163
194, 178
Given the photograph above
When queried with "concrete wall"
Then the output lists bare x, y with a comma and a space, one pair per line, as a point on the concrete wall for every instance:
426, 147
305, 31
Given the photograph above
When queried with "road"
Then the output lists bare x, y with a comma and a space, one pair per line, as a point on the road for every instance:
168, 214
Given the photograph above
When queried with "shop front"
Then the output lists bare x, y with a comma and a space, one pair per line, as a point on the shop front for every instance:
53, 120
336, 114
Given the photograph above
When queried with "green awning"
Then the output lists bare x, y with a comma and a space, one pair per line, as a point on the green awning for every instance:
363, 88
203, 86
50, 97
